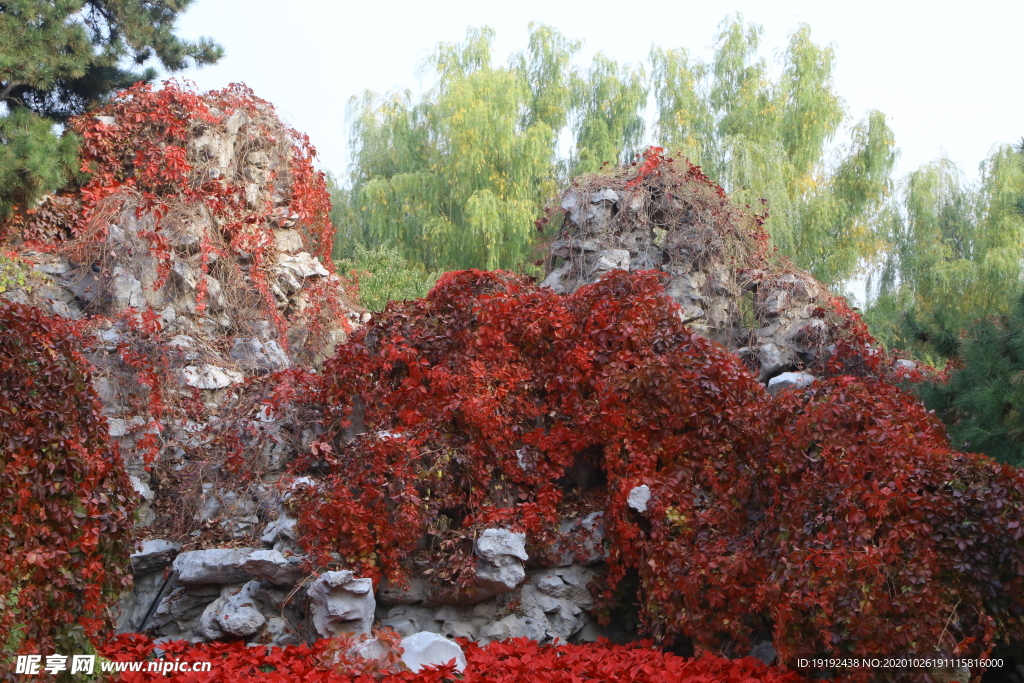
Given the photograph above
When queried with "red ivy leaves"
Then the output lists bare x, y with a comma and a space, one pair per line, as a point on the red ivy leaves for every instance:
838, 515
64, 512
513, 661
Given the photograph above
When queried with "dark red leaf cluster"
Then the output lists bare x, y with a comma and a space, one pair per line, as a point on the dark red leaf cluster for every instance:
514, 661
838, 516
64, 509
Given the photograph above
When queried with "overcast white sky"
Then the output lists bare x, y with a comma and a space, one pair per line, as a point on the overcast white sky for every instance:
947, 74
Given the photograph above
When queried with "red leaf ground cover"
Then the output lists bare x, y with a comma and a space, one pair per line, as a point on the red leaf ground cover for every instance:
512, 661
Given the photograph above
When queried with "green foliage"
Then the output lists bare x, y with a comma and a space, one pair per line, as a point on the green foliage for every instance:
33, 161
983, 401
458, 179
14, 274
608, 99
765, 139
383, 276
949, 289
57, 59
953, 255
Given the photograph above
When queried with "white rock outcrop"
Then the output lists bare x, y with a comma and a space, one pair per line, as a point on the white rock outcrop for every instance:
500, 567
424, 649
273, 567
790, 380
639, 497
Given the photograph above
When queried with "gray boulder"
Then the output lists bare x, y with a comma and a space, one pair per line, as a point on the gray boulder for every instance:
500, 568
301, 265
638, 497
790, 380
415, 592
153, 556
260, 354
341, 603
217, 565
209, 376
273, 567
238, 613
611, 259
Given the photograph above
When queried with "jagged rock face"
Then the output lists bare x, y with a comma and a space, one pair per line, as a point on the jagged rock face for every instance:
713, 256
341, 603
187, 290
228, 593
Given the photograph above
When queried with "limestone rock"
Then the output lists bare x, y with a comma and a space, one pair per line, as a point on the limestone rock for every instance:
611, 259
208, 624
605, 194
790, 380
566, 248
302, 265
238, 614
409, 619
273, 567
135, 604
568, 583
500, 568
261, 354
584, 540
341, 603
282, 527
638, 497
417, 591
280, 634
765, 651
555, 280
904, 365
515, 626
288, 241
210, 377
501, 546
141, 488
126, 291
772, 359
153, 556
430, 649
179, 610
217, 565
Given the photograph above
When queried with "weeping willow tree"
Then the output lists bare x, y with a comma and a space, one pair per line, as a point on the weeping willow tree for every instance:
608, 101
949, 287
954, 255
456, 180
765, 138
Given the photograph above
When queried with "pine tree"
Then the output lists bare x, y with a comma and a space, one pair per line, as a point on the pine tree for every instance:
58, 57
983, 401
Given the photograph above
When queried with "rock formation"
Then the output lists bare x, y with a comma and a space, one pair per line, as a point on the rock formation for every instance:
204, 320
715, 257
